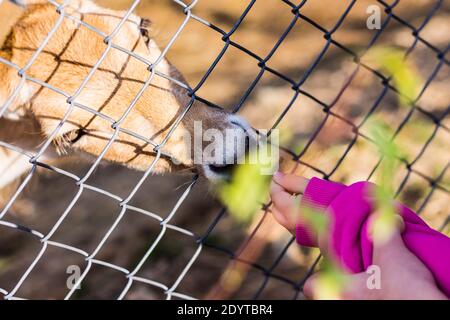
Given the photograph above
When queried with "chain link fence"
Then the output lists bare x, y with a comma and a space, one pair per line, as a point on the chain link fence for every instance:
263, 273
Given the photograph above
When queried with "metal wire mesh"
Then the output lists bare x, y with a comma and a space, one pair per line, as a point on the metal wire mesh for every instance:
202, 240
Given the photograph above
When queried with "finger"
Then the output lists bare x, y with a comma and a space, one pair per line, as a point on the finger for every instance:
385, 252
309, 286
283, 220
285, 207
285, 201
395, 238
282, 199
290, 182
386, 232
276, 187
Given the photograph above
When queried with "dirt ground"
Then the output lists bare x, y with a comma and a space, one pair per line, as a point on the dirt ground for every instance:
48, 194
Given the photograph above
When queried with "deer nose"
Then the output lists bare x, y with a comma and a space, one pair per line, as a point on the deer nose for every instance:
233, 152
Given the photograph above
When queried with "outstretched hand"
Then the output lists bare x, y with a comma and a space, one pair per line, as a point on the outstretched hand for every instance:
402, 274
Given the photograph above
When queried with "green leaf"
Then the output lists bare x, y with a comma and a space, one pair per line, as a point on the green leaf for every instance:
330, 283
404, 74
385, 222
249, 186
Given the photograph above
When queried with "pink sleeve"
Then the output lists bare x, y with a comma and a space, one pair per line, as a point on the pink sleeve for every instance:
349, 210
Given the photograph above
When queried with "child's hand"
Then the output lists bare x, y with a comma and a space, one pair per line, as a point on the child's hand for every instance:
285, 191
402, 276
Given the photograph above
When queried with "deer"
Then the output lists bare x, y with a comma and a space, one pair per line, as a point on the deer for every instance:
35, 112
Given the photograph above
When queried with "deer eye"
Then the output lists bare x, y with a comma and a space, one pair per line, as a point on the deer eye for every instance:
144, 28
64, 142
73, 136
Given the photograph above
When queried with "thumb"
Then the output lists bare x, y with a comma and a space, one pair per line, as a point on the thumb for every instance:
392, 246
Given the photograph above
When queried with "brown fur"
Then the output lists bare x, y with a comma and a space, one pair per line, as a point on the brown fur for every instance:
67, 60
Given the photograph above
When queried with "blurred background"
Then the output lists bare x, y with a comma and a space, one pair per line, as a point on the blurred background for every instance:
48, 194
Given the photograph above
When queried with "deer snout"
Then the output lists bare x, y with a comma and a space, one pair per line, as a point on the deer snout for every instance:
230, 150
